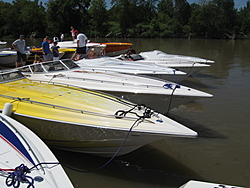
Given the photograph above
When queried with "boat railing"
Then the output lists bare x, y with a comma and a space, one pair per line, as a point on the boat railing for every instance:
100, 81
69, 109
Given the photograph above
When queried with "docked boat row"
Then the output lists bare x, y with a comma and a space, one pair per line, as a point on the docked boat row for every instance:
160, 95
105, 106
86, 96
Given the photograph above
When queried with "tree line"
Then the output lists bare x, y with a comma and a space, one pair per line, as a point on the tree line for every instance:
126, 18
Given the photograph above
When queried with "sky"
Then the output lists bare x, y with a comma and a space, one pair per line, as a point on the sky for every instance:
238, 3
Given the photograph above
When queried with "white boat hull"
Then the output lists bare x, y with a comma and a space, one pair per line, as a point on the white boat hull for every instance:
21, 146
184, 66
112, 65
103, 142
158, 55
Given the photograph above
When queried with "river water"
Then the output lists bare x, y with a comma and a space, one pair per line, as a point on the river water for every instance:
221, 152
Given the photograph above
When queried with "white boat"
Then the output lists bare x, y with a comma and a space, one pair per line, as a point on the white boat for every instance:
81, 120
8, 58
158, 94
105, 64
69, 47
188, 67
24, 153
2, 43
200, 184
158, 55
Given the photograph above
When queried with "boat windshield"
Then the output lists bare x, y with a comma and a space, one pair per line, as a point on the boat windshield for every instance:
10, 76
70, 64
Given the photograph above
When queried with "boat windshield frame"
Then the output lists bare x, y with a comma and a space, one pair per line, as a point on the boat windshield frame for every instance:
9, 76
49, 66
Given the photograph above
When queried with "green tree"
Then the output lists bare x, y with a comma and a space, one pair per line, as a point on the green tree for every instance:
243, 21
61, 14
98, 18
166, 7
22, 17
182, 11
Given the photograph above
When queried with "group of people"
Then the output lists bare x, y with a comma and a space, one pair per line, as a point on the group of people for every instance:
20, 46
81, 41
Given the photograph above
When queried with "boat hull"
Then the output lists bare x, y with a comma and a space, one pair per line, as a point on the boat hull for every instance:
9, 59
117, 48
75, 119
20, 146
98, 141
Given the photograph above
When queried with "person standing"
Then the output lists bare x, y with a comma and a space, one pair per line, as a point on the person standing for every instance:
61, 36
55, 52
81, 41
19, 46
47, 55
55, 38
72, 33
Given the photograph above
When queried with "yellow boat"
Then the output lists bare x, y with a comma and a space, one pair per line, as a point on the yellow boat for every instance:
82, 120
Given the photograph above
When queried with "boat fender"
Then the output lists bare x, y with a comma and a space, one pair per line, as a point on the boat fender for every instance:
7, 109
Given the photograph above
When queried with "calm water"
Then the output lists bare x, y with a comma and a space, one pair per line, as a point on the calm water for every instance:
220, 154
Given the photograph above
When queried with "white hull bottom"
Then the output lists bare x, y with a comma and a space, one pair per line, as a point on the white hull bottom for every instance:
86, 139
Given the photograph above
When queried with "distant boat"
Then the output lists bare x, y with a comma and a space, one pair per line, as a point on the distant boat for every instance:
117, 48
2, 43
21, 150
81, 120
69, 47
157, 55
105, 64
8, 58
187, 66
111, 48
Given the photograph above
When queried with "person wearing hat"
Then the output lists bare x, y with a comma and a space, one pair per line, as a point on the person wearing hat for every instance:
19, 46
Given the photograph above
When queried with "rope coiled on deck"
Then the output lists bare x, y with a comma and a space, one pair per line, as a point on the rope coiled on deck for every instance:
19, 176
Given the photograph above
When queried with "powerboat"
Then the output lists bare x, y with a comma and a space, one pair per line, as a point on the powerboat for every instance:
82, 120
158, 55
188, 67
36, 54
25, 160
111, 48
200, 184
160, 95
8, 57
117, 48
69, 48
105, 64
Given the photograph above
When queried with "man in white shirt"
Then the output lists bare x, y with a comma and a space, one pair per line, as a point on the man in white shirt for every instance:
81, 46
